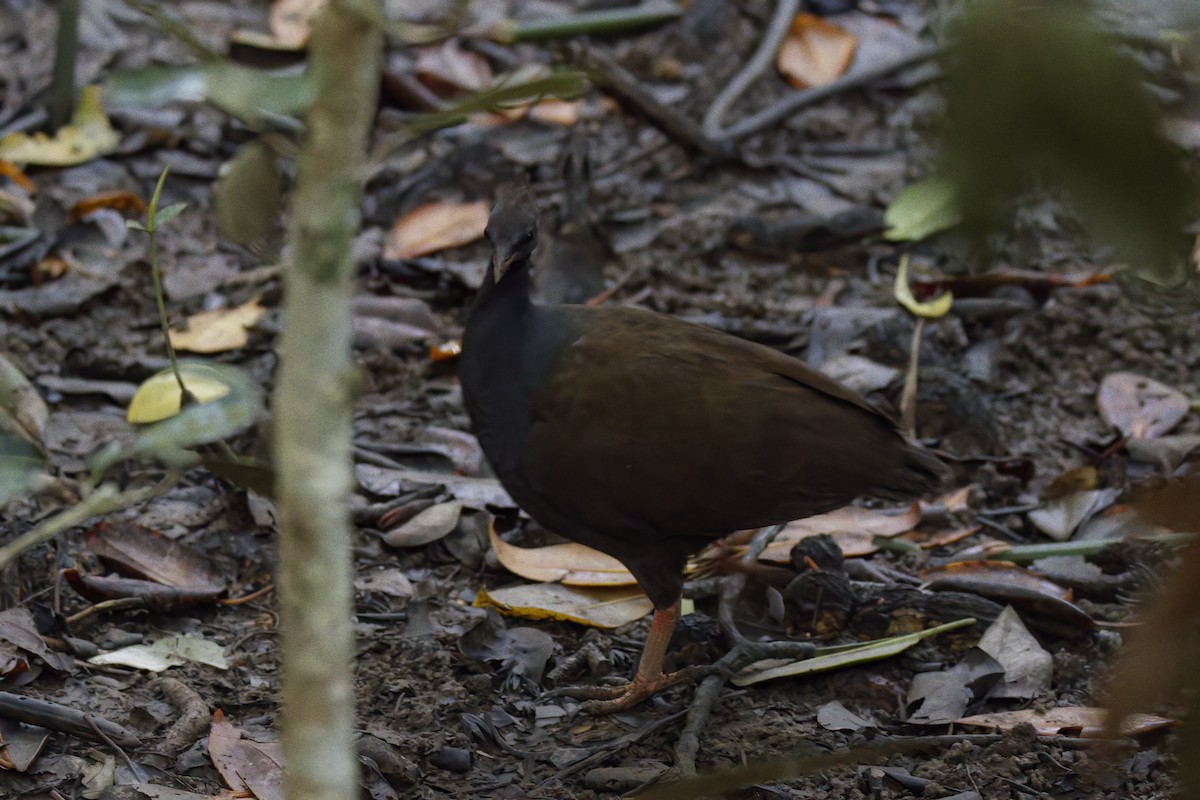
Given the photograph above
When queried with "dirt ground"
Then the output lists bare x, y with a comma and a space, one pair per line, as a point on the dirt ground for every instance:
1007, 393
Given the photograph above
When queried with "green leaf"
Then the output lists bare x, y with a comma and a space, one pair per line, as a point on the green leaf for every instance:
133, 224
839, 657
922, 209
169, 213
21, 463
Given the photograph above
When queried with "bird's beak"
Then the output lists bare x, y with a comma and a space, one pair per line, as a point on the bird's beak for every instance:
499, 267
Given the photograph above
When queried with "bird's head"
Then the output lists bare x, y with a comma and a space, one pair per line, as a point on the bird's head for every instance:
512, 229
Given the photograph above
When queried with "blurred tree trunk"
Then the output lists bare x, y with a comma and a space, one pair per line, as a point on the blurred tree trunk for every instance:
312, 411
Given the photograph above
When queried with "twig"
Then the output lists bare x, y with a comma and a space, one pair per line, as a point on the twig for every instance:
709, 690
137, 771
624, 86
58, 717
603, 21
116, 604
104, 499
772, 38
908, 395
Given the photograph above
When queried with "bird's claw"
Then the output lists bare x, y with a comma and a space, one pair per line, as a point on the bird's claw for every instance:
611, 699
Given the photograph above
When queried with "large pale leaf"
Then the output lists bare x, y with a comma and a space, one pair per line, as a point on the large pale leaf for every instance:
598, 607
571, 563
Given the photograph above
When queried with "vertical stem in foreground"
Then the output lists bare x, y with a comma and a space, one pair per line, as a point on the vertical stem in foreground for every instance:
312, 412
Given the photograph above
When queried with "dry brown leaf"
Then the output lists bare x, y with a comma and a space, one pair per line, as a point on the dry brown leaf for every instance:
853, 528
1139, 407
570, 563
218, 331
608, 607
990, 573
815, 52
448, 68
246, 765
434, 227
1086, 721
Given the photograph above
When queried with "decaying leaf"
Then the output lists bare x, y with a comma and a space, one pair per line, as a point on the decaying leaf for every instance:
139, 552
570, 563
853, 529
929, 309
1061, 517
124, 202
246, 765
426, 527
599, 607
170, 651
831, 658
89, 135
291, 21
434, 227
1028, 668
816, 52
975, 576
1083, 721
448, 69
218, 331
1139, 407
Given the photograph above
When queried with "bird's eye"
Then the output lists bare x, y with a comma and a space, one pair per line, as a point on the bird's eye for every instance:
529, 236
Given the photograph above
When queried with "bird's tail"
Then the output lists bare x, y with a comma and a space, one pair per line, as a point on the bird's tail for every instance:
919, 473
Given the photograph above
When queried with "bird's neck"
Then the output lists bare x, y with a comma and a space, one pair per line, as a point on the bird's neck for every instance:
510, 296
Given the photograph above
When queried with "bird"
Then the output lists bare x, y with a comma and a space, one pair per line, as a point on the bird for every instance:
647, 437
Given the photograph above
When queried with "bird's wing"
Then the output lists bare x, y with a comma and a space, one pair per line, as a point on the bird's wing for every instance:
650, 425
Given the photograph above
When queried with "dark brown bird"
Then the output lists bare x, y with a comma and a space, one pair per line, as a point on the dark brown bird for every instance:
646, 437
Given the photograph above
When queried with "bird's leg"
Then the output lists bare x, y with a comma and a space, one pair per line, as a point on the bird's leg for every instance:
649, 678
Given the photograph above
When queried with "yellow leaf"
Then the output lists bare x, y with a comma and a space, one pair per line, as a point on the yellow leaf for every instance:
159, 397
931, 309
572, 563
218, 331
434, 227
88, 135
600, 608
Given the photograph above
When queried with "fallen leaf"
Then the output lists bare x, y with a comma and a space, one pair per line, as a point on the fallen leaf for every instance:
171, 651
598, 607
124, 202
449, 69
159, 396
816, 52
390, 581
929, 309
1028, 668
136, 551
246, 766
430, 525
853, 529
87, 136
218, 331
976, 576
571, 563
838, 657
434, 227
1061, 517
1139, 407
1086, 721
